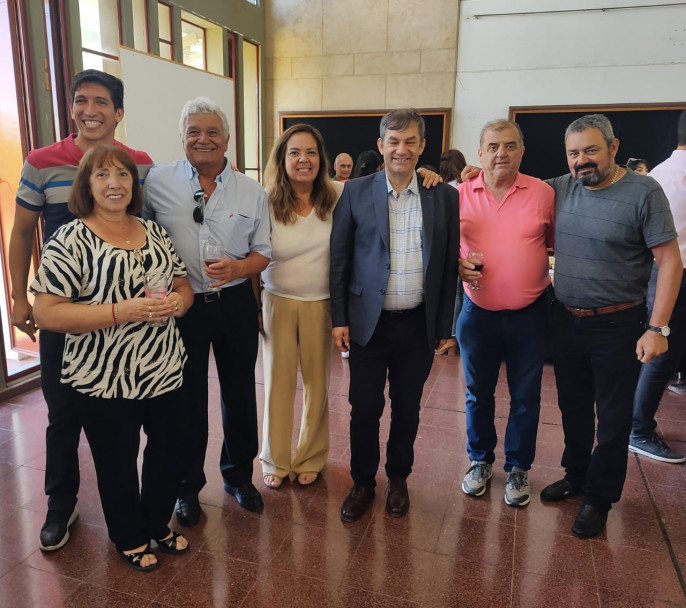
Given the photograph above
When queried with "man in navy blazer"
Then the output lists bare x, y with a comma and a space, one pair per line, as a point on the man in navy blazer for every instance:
394, 263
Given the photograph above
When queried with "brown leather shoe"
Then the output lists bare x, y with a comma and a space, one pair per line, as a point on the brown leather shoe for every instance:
398, 501
356, 503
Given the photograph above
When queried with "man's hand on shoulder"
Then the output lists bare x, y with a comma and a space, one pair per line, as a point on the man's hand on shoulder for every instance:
430, 178
469, 173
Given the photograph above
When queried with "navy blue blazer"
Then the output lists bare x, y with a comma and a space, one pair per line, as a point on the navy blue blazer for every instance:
361, 259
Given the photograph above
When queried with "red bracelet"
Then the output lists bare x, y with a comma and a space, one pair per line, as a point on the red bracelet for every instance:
114, 314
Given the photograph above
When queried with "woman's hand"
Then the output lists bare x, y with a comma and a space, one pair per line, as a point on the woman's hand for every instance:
139, 310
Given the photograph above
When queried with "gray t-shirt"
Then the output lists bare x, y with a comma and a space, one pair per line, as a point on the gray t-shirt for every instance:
603, 239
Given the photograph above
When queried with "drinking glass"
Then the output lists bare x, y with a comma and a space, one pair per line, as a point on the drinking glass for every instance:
212, 253
476, 258
156, 286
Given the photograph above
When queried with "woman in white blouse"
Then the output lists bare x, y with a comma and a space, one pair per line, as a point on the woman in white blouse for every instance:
126, 371
296, 312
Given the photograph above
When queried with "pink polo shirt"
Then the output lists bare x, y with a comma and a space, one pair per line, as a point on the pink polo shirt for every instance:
513, 235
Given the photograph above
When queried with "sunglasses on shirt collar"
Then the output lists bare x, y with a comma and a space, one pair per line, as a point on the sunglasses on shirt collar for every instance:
199, 212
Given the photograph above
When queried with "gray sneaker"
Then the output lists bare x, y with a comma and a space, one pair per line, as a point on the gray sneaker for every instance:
476, 479
654, 447
679, 388
517, 491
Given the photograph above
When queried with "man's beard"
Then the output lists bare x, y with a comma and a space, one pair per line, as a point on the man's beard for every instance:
590, 179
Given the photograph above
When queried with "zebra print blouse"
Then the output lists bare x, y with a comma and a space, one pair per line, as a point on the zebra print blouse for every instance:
131, 360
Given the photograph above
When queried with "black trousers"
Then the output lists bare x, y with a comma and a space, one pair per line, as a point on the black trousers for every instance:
64, 427
398, 348
113, 429
229, 325
596, 372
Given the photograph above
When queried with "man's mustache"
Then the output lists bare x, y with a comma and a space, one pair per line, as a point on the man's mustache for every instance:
586, 166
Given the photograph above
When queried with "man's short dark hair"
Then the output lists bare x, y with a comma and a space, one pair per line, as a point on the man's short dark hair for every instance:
681, 129
592, 121
111, 83
399, 120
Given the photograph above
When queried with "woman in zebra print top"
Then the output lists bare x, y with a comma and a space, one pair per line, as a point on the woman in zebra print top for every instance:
126, 372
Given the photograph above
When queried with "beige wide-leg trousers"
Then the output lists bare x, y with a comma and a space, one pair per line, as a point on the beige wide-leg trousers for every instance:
295, 331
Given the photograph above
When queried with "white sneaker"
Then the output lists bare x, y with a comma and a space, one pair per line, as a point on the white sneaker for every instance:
476, 480
517, 490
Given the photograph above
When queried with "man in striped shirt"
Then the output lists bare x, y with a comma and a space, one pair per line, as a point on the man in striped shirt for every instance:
97, 107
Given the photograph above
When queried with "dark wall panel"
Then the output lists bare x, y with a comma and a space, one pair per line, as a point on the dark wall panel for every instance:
355, 132
645, 132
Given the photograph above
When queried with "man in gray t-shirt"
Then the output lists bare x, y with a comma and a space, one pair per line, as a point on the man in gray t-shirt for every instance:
610, 224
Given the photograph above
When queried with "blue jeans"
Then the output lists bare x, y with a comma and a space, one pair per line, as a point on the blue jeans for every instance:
656, 374
596, 372
518, 337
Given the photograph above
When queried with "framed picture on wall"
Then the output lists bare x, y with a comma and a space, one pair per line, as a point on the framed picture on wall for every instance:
353, 132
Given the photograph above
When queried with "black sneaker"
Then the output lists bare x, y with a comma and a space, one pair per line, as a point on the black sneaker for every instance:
55, 531
654, 447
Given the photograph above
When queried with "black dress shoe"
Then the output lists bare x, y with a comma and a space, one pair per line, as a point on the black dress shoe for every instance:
398, 501
356, 503
188, 510
560, 490
589, 522
247, 496
55, 531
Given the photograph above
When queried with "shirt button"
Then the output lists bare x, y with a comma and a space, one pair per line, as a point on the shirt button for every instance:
388, 266
383, 291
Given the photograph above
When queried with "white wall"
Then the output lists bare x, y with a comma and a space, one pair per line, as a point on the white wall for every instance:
628, 55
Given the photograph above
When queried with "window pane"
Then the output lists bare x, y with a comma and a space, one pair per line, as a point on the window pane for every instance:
164, 17
140, 26
100, 26
165, 50
193, 39
251, 105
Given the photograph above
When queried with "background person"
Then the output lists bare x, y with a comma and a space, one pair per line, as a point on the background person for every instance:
343, 167
638, 165
451, 165
671, 175
450, 168
125, 373
96, 103
367, 162
296, 309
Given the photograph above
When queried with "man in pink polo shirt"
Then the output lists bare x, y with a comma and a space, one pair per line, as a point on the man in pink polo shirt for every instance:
509, 218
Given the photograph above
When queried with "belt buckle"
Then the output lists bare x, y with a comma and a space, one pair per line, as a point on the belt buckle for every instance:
211, 296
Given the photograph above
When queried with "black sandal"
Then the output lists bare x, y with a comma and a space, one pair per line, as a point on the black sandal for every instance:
133, 560
168, 545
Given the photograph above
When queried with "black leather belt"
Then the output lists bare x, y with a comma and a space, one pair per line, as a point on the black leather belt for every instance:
399, 314
208, 296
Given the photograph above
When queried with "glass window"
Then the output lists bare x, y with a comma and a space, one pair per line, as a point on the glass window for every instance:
100, 26
164, 18
140, 25
251, 109
193, 40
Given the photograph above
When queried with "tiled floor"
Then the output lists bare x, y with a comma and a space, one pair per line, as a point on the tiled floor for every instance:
451, 550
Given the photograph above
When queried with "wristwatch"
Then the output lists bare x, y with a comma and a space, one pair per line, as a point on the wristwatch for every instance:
664, 330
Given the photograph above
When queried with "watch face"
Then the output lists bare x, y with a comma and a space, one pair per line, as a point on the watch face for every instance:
665, 331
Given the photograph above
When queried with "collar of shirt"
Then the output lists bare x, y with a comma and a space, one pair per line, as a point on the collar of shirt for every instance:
223, 177
412, 186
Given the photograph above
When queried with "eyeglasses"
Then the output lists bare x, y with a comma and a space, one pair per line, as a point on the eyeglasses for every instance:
199, 212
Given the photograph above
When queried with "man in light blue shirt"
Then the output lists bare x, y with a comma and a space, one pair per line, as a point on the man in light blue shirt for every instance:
199, 200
